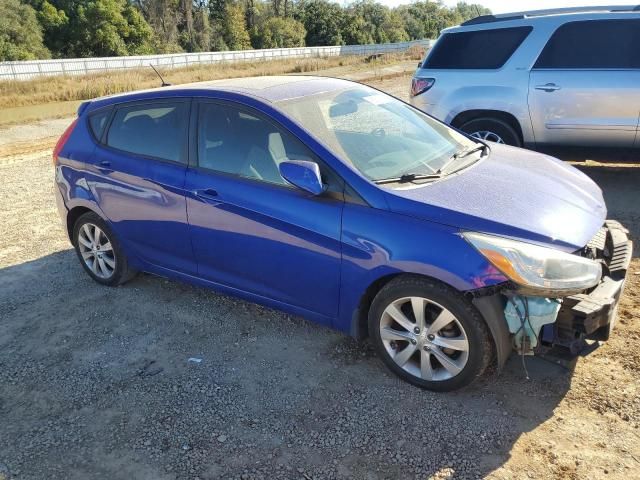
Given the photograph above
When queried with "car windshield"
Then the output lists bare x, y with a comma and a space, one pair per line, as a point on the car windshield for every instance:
379, 135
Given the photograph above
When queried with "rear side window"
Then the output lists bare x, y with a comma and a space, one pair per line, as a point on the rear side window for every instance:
593, 44
97, 122
483, 49
157, 130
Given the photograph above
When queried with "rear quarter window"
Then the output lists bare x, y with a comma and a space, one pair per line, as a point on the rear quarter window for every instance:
98, 121
482, 49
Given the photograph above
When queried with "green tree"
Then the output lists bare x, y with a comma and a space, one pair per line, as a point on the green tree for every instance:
20, 32
468, 11
394, 27
163, 16
370, 18
356, 30
236, 36
80, 28
53, 22
323, 22
279, 32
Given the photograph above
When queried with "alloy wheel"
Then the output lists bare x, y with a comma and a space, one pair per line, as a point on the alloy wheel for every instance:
424, 339
96, 251
487, 136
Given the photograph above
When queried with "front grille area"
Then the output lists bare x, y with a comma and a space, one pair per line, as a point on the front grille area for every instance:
620, 250
599, 240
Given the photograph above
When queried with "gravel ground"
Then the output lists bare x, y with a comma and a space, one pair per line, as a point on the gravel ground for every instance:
96, 382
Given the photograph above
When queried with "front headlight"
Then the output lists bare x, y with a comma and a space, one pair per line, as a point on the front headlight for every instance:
540, 270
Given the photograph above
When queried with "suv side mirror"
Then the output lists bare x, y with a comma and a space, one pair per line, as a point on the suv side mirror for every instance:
420, 64
302, 174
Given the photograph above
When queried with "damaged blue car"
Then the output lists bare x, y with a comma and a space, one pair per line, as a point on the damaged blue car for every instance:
334, 201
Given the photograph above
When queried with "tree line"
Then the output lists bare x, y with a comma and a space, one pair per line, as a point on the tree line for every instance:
38, 29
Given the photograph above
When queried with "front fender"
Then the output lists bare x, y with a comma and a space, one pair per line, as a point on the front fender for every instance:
388, 243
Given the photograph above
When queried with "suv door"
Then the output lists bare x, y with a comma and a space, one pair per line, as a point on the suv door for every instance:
584, 89
251, 230
137, 176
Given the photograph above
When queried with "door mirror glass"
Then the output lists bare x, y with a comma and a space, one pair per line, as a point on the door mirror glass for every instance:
303, 174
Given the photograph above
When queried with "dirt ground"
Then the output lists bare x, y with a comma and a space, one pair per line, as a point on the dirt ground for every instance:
96, 382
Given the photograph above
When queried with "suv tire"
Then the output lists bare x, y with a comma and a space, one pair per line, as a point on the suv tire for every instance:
491, 129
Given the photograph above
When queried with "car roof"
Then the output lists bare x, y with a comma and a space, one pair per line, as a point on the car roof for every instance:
266, 88
555, 16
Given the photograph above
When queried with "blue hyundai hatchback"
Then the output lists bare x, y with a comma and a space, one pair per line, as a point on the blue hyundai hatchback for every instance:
334, 201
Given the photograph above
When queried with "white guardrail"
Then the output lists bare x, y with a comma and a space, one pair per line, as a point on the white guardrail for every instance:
25, 70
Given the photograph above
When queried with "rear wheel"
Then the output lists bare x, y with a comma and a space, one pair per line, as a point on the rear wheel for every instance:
492, 130
429, 334
99, 251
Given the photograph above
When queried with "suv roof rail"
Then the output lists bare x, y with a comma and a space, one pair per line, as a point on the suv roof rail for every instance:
503, 17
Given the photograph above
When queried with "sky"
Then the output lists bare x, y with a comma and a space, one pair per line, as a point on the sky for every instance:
503, 6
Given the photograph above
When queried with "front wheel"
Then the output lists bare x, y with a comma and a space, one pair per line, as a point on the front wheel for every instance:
99, 251
429, 334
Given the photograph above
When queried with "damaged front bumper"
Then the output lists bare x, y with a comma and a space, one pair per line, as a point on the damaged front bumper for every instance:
592, 315
532, 324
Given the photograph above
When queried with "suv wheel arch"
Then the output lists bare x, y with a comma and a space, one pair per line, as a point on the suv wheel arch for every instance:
505, 117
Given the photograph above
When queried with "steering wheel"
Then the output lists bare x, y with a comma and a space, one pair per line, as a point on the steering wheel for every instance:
379, 132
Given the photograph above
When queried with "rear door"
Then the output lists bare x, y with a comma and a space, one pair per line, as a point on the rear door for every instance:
584, 88
250, 229
137, 176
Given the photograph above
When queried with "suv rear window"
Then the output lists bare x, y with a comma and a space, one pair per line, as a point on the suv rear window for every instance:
157, 130
482, 49
593, 44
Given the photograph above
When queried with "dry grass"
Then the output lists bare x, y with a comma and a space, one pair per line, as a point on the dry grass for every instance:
68, 88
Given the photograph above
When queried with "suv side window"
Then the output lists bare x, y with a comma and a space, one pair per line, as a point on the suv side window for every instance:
241, 142
155, 129
593, 44
482, 49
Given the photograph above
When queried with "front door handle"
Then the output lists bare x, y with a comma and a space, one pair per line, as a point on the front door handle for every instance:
549, 87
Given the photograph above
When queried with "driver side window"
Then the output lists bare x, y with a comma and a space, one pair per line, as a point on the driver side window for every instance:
237, 142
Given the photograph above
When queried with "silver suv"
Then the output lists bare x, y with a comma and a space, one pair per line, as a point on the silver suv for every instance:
566, 76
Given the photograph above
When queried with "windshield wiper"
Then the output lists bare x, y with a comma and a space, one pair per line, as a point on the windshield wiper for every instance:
409, 177
464, 153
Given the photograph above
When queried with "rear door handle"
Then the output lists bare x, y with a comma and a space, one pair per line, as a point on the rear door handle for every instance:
549, 87
207, 194
105, 166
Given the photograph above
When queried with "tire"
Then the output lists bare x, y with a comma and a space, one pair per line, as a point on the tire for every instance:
104, 261
441, 360
492, 129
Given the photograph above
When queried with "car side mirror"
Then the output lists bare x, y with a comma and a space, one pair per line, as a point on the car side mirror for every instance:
302, 174
419, 64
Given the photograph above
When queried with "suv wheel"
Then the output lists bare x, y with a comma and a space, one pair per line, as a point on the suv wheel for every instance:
429, 334
492, 130
99, 251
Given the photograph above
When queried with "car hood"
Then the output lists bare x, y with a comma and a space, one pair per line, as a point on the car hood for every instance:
511, 192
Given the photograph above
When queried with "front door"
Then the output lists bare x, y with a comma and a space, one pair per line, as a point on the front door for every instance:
251, 230
584, 89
